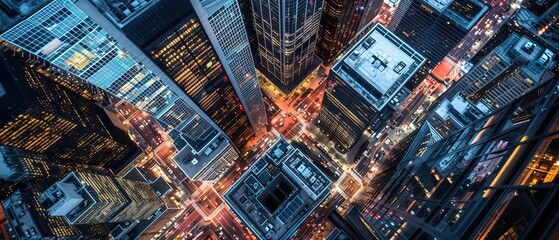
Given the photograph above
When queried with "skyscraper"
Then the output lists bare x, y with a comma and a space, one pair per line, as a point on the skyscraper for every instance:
184, 45
25, 166
68, 42
88, 198
28, 220
228, 35
367, 85
286, 33
279, 192
435, 27
495, 178
339, 23
41, 116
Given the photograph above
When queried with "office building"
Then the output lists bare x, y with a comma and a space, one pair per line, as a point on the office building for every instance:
246, 11
223, 21
367, 84
434, 28
493, 179
516, 66
286, 33
8, 188
28, 220
68, 42
42, 116
339, 23
218, 74
180, 47
26, 167
88, 198
278, 192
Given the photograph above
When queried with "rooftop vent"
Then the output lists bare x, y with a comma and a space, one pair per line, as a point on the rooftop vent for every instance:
544, 59
529, 47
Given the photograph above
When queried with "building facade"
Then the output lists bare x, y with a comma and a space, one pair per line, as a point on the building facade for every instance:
28, 220
42, 116
367, 85
88, 198
434, 28
339, 23
223, 21
69, 42
286, 34
547, 26
495, 178
183, 48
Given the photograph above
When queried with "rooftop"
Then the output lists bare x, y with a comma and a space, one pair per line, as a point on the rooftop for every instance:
193, 163
537, 59
278, 192
378, 65
18, 213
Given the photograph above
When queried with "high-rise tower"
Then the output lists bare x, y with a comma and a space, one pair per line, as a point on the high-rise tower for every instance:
42, 116
216, 72
223, 21
69, 42
367, 85
286, 33
339, 23
28, 220
516, 66
434, 28
495, 178
88, 198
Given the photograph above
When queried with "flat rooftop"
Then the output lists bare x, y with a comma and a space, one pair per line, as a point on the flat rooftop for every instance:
20, 215
378, 65
278, 192
191, 162
538, 59
196, 141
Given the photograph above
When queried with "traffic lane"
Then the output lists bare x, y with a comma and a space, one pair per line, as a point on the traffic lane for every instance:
331, 164
147, 132
187, 224
227, 220
324, 159
319, 215
329, 169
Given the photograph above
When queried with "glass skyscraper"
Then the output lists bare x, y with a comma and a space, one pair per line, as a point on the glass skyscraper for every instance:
286, 34
42, 116
434, 28
183, 45
229, 36
63, 35
493, 179
339, 23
